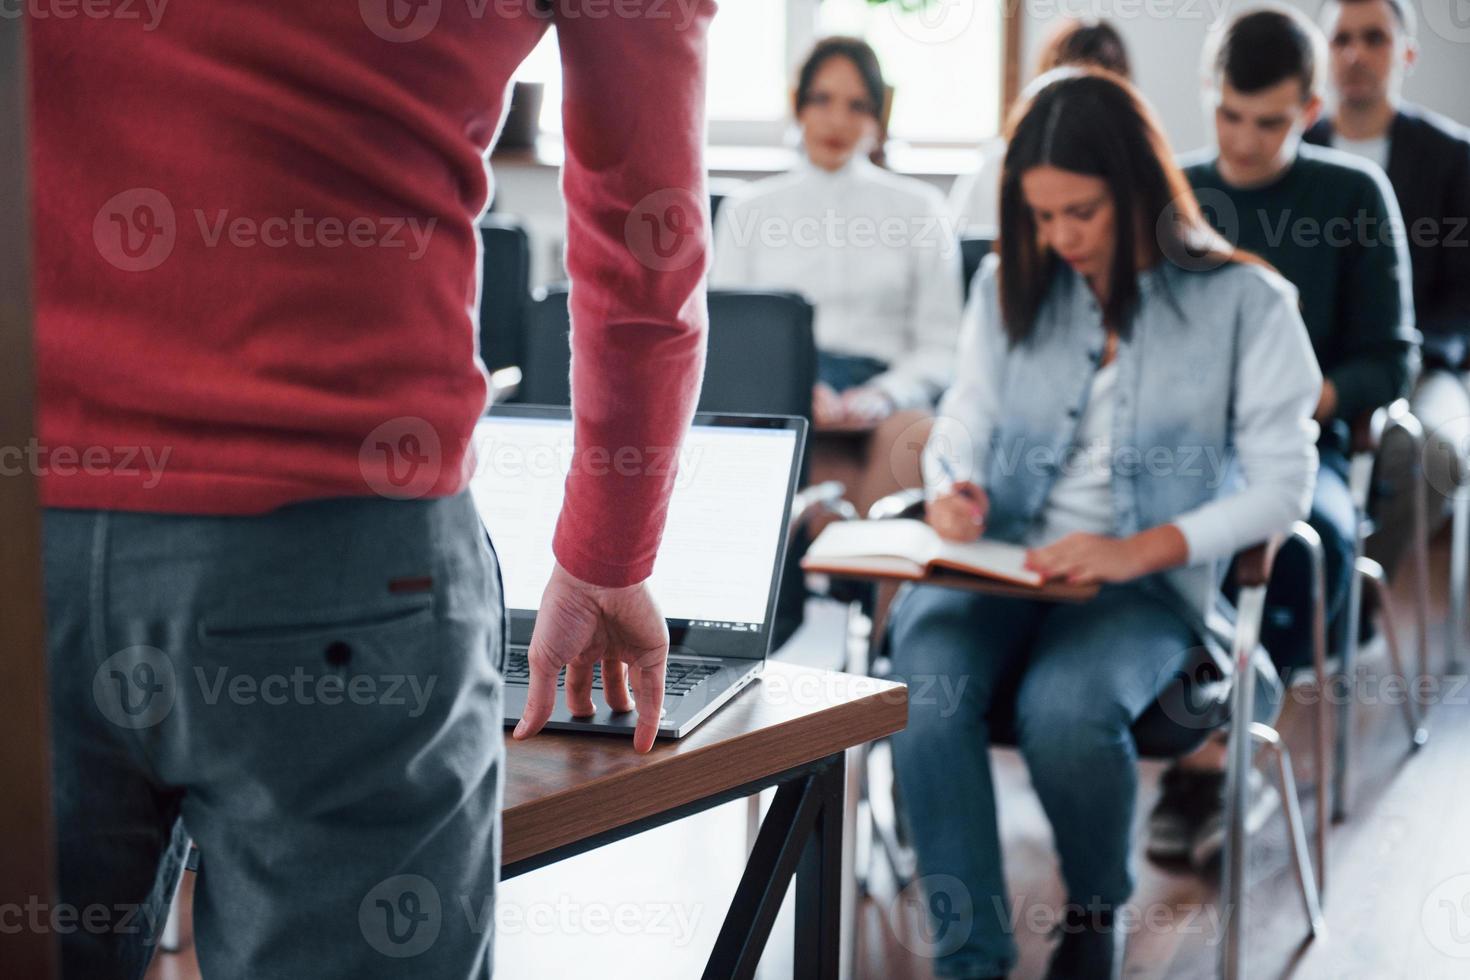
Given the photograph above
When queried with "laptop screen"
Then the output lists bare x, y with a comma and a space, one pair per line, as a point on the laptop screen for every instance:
718, 561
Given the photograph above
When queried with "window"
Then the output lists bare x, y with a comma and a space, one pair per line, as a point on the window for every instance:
945, 62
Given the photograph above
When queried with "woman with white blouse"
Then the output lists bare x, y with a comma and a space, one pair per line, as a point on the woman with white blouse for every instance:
873, 251
1133, 404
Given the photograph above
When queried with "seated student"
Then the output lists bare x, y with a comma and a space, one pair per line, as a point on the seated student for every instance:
1082, 333
1427, 158
1089, 43
1327, 222
872, 250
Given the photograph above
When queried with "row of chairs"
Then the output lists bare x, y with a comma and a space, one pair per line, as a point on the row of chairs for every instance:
510, 318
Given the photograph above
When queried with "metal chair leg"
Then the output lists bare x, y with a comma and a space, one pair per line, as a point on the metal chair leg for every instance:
1420, 552
171, 941
1459, 580
1370, 570
1249, 608
1348, 666
1407, 424
1309, 539
1270, 739
884, 819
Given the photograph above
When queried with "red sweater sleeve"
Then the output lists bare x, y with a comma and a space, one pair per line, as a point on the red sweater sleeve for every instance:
637, 248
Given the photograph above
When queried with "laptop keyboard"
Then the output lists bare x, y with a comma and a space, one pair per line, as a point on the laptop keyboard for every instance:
681, 676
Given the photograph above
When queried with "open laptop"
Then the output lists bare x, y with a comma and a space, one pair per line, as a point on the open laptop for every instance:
718, 567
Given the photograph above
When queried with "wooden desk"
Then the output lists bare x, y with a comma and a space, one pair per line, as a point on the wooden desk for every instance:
566, 793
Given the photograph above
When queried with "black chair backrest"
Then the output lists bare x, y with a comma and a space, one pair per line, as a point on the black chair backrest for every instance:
762, 354
505, 290
546, 356
762, 357
973, 250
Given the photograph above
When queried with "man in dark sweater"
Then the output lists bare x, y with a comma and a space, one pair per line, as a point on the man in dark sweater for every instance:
1427, 158
1329, 224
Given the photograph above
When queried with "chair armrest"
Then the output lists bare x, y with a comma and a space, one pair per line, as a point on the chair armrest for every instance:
903, 503
504, 384
1371, 428
821, 498
1253, 566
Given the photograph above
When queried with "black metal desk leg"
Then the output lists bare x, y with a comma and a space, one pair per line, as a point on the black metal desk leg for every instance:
819, 881
801, 836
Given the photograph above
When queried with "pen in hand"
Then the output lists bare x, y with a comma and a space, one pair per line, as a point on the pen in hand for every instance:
960, 487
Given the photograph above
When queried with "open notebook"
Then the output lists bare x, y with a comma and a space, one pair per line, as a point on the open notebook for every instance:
910, 549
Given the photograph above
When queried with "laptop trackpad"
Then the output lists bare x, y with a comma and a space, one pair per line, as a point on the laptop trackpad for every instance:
676, 709
561, 719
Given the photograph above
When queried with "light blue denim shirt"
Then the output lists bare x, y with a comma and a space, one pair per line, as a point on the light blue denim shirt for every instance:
1212, 425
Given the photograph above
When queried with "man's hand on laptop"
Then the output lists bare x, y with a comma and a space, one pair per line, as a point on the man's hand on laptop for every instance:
579, 624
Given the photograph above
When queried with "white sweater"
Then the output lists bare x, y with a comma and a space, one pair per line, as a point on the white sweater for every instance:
875, 253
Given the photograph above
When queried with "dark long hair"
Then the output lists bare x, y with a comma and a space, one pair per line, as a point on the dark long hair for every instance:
855, 50
1090, 122
1085, 42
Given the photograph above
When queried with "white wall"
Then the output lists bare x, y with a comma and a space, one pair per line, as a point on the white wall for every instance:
1166, 38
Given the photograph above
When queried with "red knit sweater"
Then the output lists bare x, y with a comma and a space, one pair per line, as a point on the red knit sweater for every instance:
257, 264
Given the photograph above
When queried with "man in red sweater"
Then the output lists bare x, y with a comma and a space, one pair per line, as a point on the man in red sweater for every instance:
274, 618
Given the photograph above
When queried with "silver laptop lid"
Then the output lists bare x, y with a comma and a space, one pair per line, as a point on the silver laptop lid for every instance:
719, 564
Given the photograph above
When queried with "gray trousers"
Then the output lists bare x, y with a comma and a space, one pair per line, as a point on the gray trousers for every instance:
312, 695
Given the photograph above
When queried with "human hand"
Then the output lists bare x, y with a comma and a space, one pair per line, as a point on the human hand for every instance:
580, 624
866, 405
1086, 559
1326, 403
958, 514
827, 407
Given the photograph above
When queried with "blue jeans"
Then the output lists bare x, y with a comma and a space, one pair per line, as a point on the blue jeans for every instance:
844, 371
315, 695
1072, 679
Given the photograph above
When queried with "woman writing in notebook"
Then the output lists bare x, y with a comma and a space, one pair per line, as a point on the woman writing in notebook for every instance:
1133, 404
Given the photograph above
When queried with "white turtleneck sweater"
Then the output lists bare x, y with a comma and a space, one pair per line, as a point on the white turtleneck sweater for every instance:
876, 254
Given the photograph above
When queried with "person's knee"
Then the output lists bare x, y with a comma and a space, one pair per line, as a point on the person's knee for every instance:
1061, 729
926, 630
938, 653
